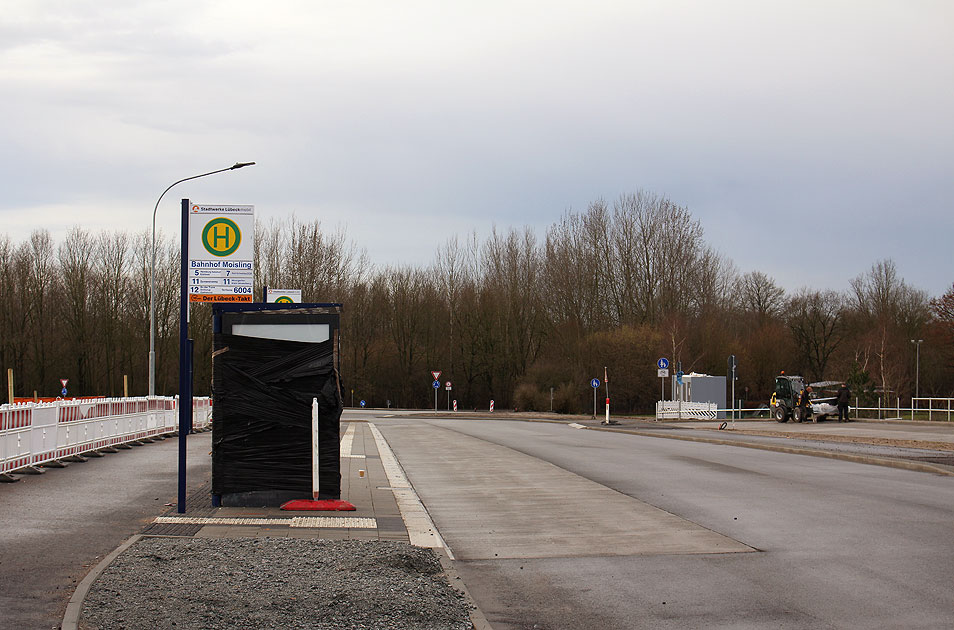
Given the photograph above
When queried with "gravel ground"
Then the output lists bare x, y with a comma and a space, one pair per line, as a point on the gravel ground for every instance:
202, 583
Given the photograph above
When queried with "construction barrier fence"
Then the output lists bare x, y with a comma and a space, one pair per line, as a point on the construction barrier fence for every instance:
682, 410
33, 434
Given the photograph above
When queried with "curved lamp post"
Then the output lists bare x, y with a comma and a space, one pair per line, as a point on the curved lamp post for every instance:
152, 274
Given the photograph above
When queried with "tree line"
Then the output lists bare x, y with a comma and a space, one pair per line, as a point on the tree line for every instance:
524, 319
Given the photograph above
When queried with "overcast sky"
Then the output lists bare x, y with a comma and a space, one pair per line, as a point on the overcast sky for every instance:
810, 138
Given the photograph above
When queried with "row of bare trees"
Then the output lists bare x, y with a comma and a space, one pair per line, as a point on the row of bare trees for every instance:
522, 319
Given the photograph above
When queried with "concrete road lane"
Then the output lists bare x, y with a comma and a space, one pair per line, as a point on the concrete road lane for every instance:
840, 544
495, 502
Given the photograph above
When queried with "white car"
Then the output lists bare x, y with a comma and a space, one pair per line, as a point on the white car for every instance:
822, 409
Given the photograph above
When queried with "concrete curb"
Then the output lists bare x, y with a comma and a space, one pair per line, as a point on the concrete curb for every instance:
794, 450
75, 608
457, 582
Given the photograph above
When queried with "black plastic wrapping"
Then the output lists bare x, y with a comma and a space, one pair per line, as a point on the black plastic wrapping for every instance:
262, 397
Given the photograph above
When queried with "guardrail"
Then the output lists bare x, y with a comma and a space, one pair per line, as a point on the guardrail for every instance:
923, 408
943, 408
33, 434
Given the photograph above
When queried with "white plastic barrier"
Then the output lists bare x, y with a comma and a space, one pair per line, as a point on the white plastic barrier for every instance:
36, 433
674, 410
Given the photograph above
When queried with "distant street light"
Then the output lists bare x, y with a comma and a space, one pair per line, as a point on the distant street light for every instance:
917, 369
152, 274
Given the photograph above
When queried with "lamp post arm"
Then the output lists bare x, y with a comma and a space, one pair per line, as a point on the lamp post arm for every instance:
185, 179
152, 272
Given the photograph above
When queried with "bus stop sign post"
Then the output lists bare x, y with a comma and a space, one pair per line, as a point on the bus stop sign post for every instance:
185, 358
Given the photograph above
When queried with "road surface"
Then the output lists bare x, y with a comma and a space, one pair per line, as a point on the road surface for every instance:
55, 526
545, 524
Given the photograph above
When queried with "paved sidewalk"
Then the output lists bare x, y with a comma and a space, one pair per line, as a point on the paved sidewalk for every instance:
367, 475
363, 482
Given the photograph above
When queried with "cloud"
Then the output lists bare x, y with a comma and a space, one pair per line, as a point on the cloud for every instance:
414, 121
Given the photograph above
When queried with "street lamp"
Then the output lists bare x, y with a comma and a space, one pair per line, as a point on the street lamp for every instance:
152, 274
917, 367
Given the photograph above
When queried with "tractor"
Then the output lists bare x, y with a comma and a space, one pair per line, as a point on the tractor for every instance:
785, 400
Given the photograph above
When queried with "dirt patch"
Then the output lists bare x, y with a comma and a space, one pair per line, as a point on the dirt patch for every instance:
851, 439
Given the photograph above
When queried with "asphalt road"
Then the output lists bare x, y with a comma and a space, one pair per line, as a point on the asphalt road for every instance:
754, 539
55, 526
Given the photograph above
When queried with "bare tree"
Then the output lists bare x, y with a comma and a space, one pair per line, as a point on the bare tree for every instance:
889, 312
816, 319
111, 269
44, 277
75, 309
513, 273
15, 331
760, 296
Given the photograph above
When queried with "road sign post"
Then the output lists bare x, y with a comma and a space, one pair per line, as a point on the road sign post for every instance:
679, 376
662, 371
436, 385
595, 384
732, 364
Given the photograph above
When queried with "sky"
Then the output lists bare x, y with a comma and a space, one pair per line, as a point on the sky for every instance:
811, 139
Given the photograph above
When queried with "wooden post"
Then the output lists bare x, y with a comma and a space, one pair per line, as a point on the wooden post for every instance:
10, 385
125, 386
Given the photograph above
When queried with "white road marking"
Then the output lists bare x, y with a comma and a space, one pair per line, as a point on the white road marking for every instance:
347, 440
421, 530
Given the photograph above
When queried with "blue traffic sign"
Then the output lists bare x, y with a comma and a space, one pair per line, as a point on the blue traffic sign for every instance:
662, 363
363, 403
679, 376
595, 383
436, 384
63, 392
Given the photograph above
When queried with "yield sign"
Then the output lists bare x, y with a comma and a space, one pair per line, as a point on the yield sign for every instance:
436, 375
64, 381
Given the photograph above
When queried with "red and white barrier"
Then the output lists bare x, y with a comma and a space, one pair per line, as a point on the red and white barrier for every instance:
36, 433
491, 406
455, 405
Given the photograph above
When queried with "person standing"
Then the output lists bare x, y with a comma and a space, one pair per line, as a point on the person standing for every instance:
843, 399
805, 404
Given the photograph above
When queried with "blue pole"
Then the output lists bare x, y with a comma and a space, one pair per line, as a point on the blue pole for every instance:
185, 358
